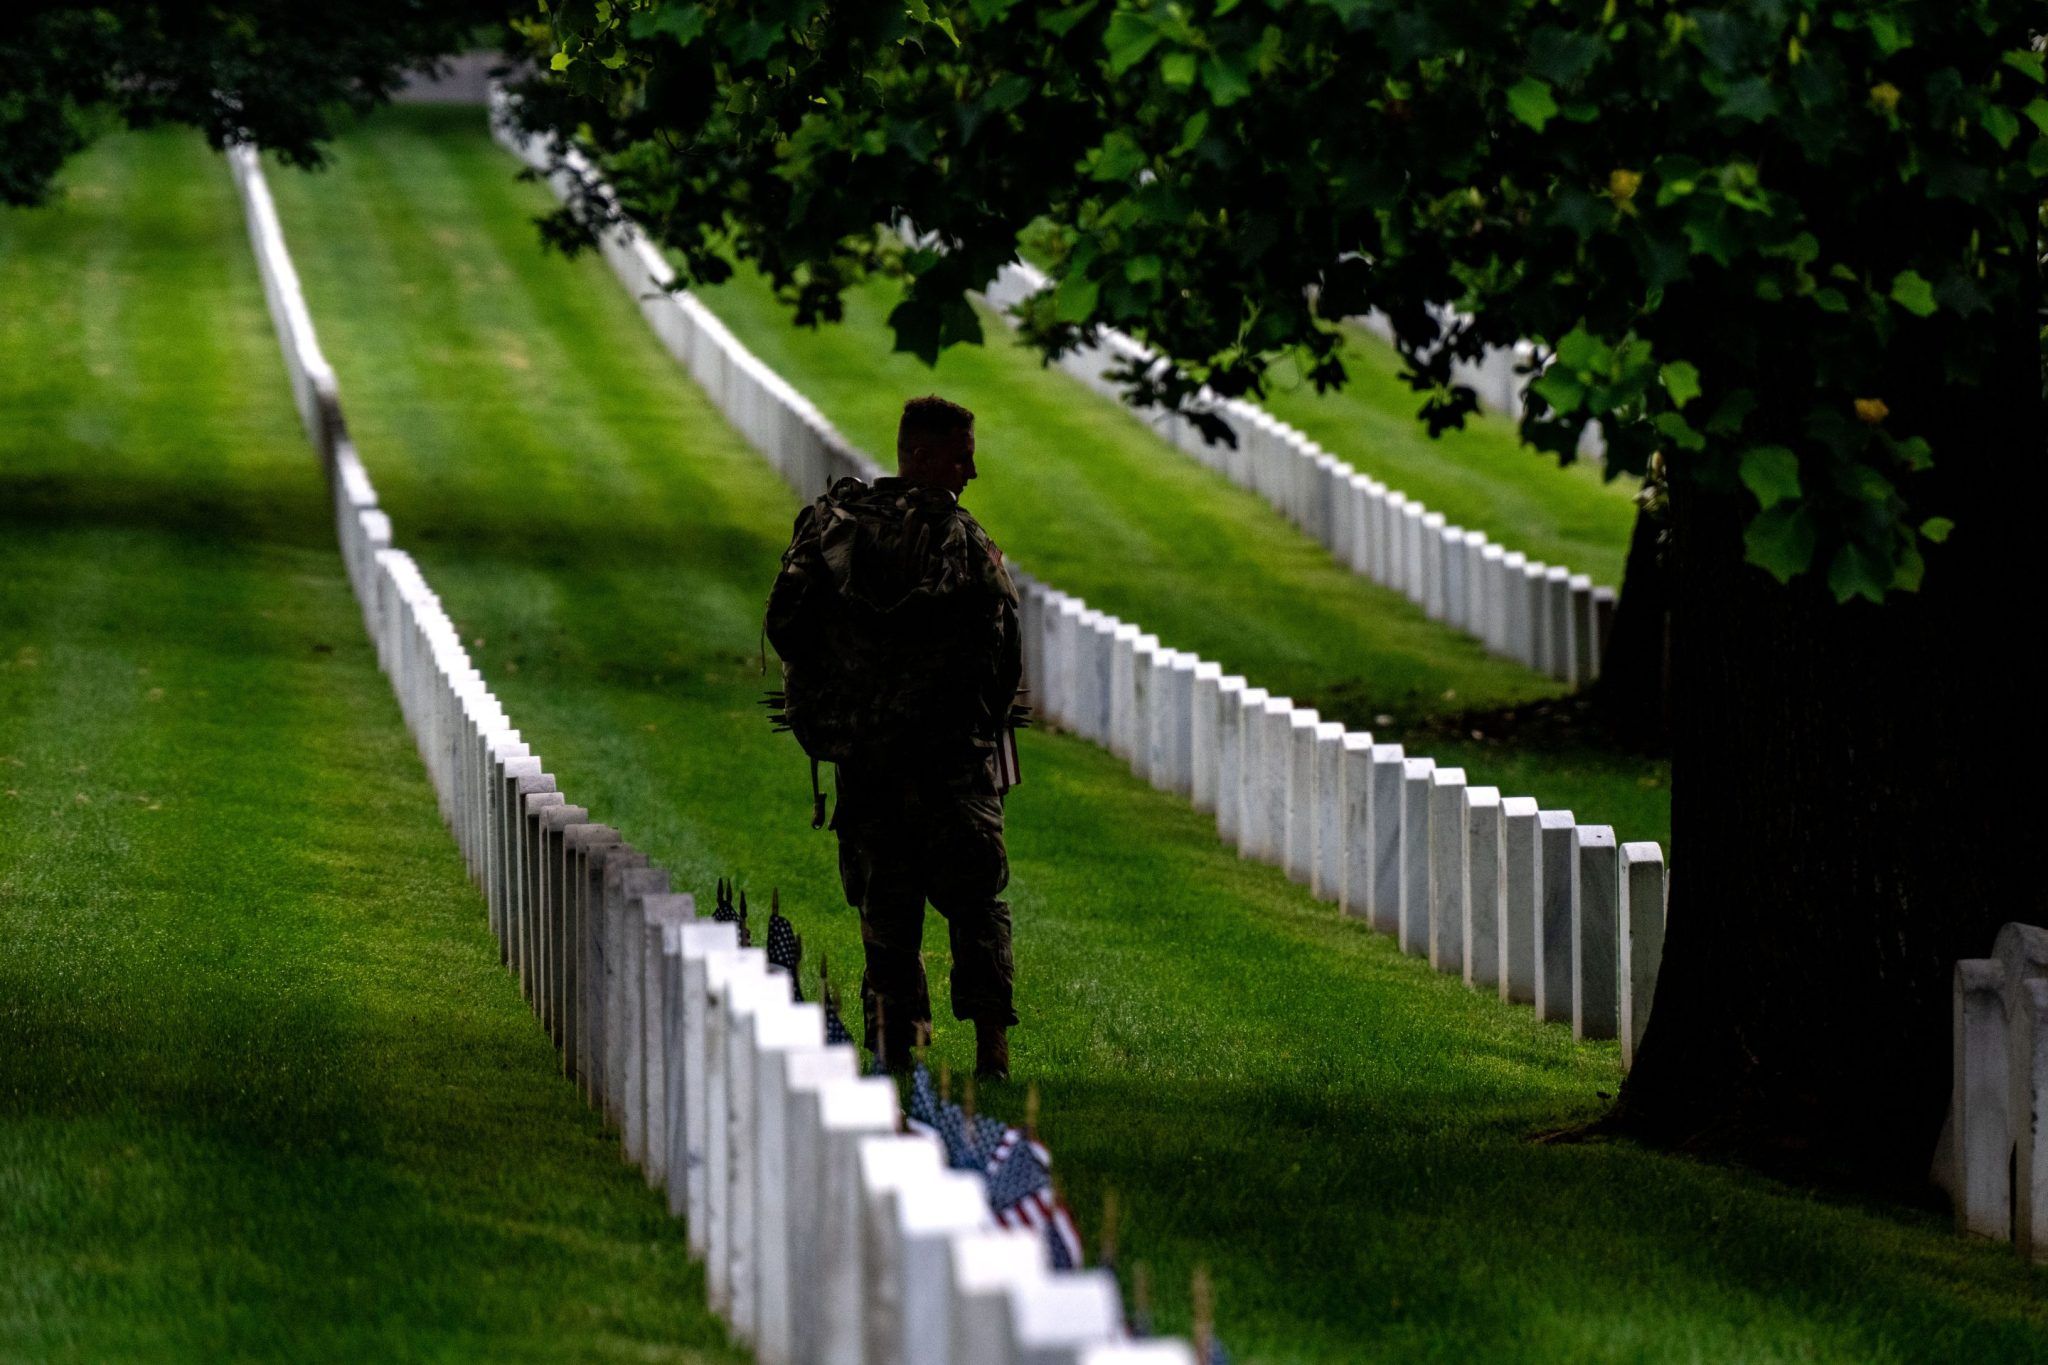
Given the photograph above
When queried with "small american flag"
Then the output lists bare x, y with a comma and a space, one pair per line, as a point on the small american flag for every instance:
1020, 1194
785, 949
924, 1096
950, 1122
835, 1027
836, 1031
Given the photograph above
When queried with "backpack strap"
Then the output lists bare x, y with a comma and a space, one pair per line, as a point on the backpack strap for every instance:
817, 799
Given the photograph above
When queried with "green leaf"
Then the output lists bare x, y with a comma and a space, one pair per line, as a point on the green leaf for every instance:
1118, 158
1008, 92
1732, 412
2028, 64
2037, 110
1890, 34
2002, 123
1530, 101
1910, 569
1075, 299
1560, 388
1679, 431
1681, 381
1753, 100
1937, 529
1139, 269
1177, 69
1192, 131
1061, 22
1225, 77
1772, 473
559, 62
1780, 541
1129, 37
1913, 293
1856, 572
1580, 350
684, 23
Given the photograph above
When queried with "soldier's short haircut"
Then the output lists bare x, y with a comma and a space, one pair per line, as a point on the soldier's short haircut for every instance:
927, 419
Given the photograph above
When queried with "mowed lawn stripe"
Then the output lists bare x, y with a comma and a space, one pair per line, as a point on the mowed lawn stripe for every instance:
264, 1090
1339, 1133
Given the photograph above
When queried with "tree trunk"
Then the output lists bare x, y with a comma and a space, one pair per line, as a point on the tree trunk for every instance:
1633, 693
1855, 798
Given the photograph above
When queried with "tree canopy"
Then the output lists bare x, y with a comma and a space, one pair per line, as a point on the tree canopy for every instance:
1731, 226
272, 72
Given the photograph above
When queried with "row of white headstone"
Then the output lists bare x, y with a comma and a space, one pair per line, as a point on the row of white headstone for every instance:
1515, 899
1542, 615
830, 1236
1518, 900
1994, 1157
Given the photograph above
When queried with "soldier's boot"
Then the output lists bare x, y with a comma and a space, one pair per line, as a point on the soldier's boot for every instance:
991, 1052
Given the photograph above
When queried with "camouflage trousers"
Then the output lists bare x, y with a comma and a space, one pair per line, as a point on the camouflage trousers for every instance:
905, 839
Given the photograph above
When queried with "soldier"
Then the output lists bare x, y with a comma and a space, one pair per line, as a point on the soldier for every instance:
896, 621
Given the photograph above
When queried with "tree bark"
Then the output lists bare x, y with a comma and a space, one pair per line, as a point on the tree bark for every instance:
1857, 804
1633, 693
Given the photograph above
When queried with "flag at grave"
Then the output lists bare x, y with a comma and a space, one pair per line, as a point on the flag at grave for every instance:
725, 912
835, 1028
785, 949
951, 1125
922, 1113
1021, 1195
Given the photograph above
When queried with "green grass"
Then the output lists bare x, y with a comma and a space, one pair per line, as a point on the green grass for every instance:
1084, 495
1339, 1133
265, 1092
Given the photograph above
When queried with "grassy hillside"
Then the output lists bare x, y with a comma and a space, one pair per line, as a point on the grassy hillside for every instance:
265, 1092
1342, 1135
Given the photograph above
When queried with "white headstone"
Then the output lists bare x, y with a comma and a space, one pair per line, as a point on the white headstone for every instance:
1447, 870
1556, 857
783, 1208
1205, 735
1596, 897
1521, 892
1641, 935
1418, 779
1482, 892
1354, 862
1298, 830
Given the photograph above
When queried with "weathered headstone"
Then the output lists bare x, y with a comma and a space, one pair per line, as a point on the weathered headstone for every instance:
1205, 733
1640, 932
728, 978
1418, 777
1300, 817
848, 1112
787, 1206
1351, 858
983, 1269
1239, 797
1557, 854
886, 1166
1447, 870
1521, 894
1596, 897
1482, 891
662, 915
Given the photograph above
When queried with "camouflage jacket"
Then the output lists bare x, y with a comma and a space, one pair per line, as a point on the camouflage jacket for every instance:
896, 622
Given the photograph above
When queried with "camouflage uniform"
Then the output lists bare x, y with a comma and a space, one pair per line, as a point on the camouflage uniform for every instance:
896, 607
